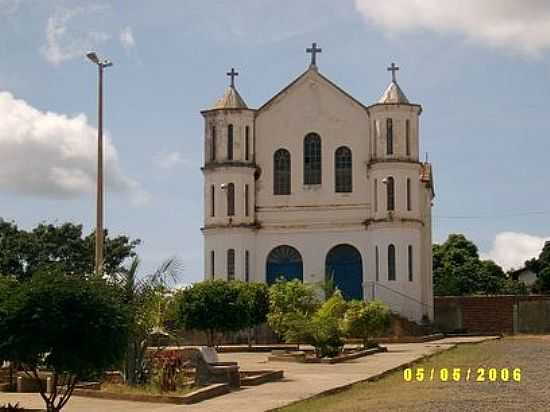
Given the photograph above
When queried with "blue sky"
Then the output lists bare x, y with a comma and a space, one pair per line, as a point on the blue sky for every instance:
479, 68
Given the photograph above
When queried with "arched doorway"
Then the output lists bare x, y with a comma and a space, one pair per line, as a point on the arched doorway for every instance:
344, 265
284, 262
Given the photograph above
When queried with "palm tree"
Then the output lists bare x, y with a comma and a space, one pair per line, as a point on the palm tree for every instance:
145, 297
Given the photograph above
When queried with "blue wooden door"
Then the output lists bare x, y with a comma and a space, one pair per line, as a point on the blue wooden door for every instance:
284, 262
344, 265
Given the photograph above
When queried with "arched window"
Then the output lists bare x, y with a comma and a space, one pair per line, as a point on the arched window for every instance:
284, 262
409, 206
231, 199
212, 201
390, 192
389, 136
246, 266
212, 264
246, 200
376, 195
410, 262
281, 172
231, 264
213, 145
246, 142
408, 137
312, 159
230, 142
391, 262
377, 263
342, 170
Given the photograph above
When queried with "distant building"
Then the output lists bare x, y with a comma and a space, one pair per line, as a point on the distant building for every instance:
315, 184
525, 275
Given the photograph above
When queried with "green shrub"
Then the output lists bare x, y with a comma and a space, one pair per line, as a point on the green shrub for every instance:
218, 306
289, 302
321, 329
366, 320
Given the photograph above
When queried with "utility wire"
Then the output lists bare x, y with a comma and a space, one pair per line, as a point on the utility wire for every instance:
494, 216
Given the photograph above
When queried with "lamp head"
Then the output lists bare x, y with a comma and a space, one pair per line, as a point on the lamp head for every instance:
93, 57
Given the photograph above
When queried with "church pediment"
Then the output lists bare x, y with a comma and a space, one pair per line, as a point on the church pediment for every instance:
302, 85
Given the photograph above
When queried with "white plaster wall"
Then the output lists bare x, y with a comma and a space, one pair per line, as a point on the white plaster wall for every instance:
239, 118
399, 115
239, 176
312, 105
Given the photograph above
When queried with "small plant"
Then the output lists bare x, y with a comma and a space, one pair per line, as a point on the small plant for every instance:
321, 329
366, 320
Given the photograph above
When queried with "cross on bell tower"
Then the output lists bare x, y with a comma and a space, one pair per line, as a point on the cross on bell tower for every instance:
232, 74
313, 50
393, 68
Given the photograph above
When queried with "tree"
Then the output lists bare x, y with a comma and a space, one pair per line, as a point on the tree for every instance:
321, 329
254, 299
211, 306
288, 299
541, 266
458, 270
145, 299
365, 320
62, 248
71, 326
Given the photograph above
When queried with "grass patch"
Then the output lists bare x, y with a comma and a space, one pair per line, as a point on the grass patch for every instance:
393, 393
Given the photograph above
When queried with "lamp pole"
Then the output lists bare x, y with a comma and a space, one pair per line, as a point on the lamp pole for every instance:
101, 64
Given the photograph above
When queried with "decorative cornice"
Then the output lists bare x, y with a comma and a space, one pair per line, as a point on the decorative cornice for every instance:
228, 163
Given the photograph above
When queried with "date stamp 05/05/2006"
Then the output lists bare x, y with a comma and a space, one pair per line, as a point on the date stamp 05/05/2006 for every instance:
462, 375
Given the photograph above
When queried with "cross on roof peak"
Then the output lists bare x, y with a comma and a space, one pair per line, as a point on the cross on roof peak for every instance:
232, 74
313, 50
393, 68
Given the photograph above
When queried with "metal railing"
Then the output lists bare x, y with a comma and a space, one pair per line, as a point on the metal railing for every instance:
399, 302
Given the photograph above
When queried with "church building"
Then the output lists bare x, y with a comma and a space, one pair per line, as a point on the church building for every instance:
316, 185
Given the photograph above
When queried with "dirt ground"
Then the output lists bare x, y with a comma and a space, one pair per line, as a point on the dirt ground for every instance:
531, 354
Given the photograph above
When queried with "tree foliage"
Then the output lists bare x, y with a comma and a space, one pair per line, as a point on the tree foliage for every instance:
147, 299
289, 300
458, 270
62, 248
72, 326
541, 266
366, 320
217, 306
321, 329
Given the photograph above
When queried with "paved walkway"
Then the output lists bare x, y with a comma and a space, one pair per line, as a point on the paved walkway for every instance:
301, 381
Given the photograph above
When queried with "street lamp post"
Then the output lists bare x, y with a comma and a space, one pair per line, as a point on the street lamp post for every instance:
101, 64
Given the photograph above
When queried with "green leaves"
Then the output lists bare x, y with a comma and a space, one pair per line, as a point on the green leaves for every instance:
366, 319
458, 270
69, 325
63, 248
288, 300
220, 306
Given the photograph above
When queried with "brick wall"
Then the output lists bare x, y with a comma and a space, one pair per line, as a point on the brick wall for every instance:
475, 314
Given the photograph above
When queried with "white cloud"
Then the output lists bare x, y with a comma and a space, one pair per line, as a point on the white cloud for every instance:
510, 250
169, 160
65, 41
520, 26
127, 38
54, 155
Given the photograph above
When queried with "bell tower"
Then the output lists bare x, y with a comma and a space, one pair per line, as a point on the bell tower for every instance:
229, 185
402, 193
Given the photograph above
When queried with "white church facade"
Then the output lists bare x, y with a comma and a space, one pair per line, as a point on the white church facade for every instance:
315, 184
